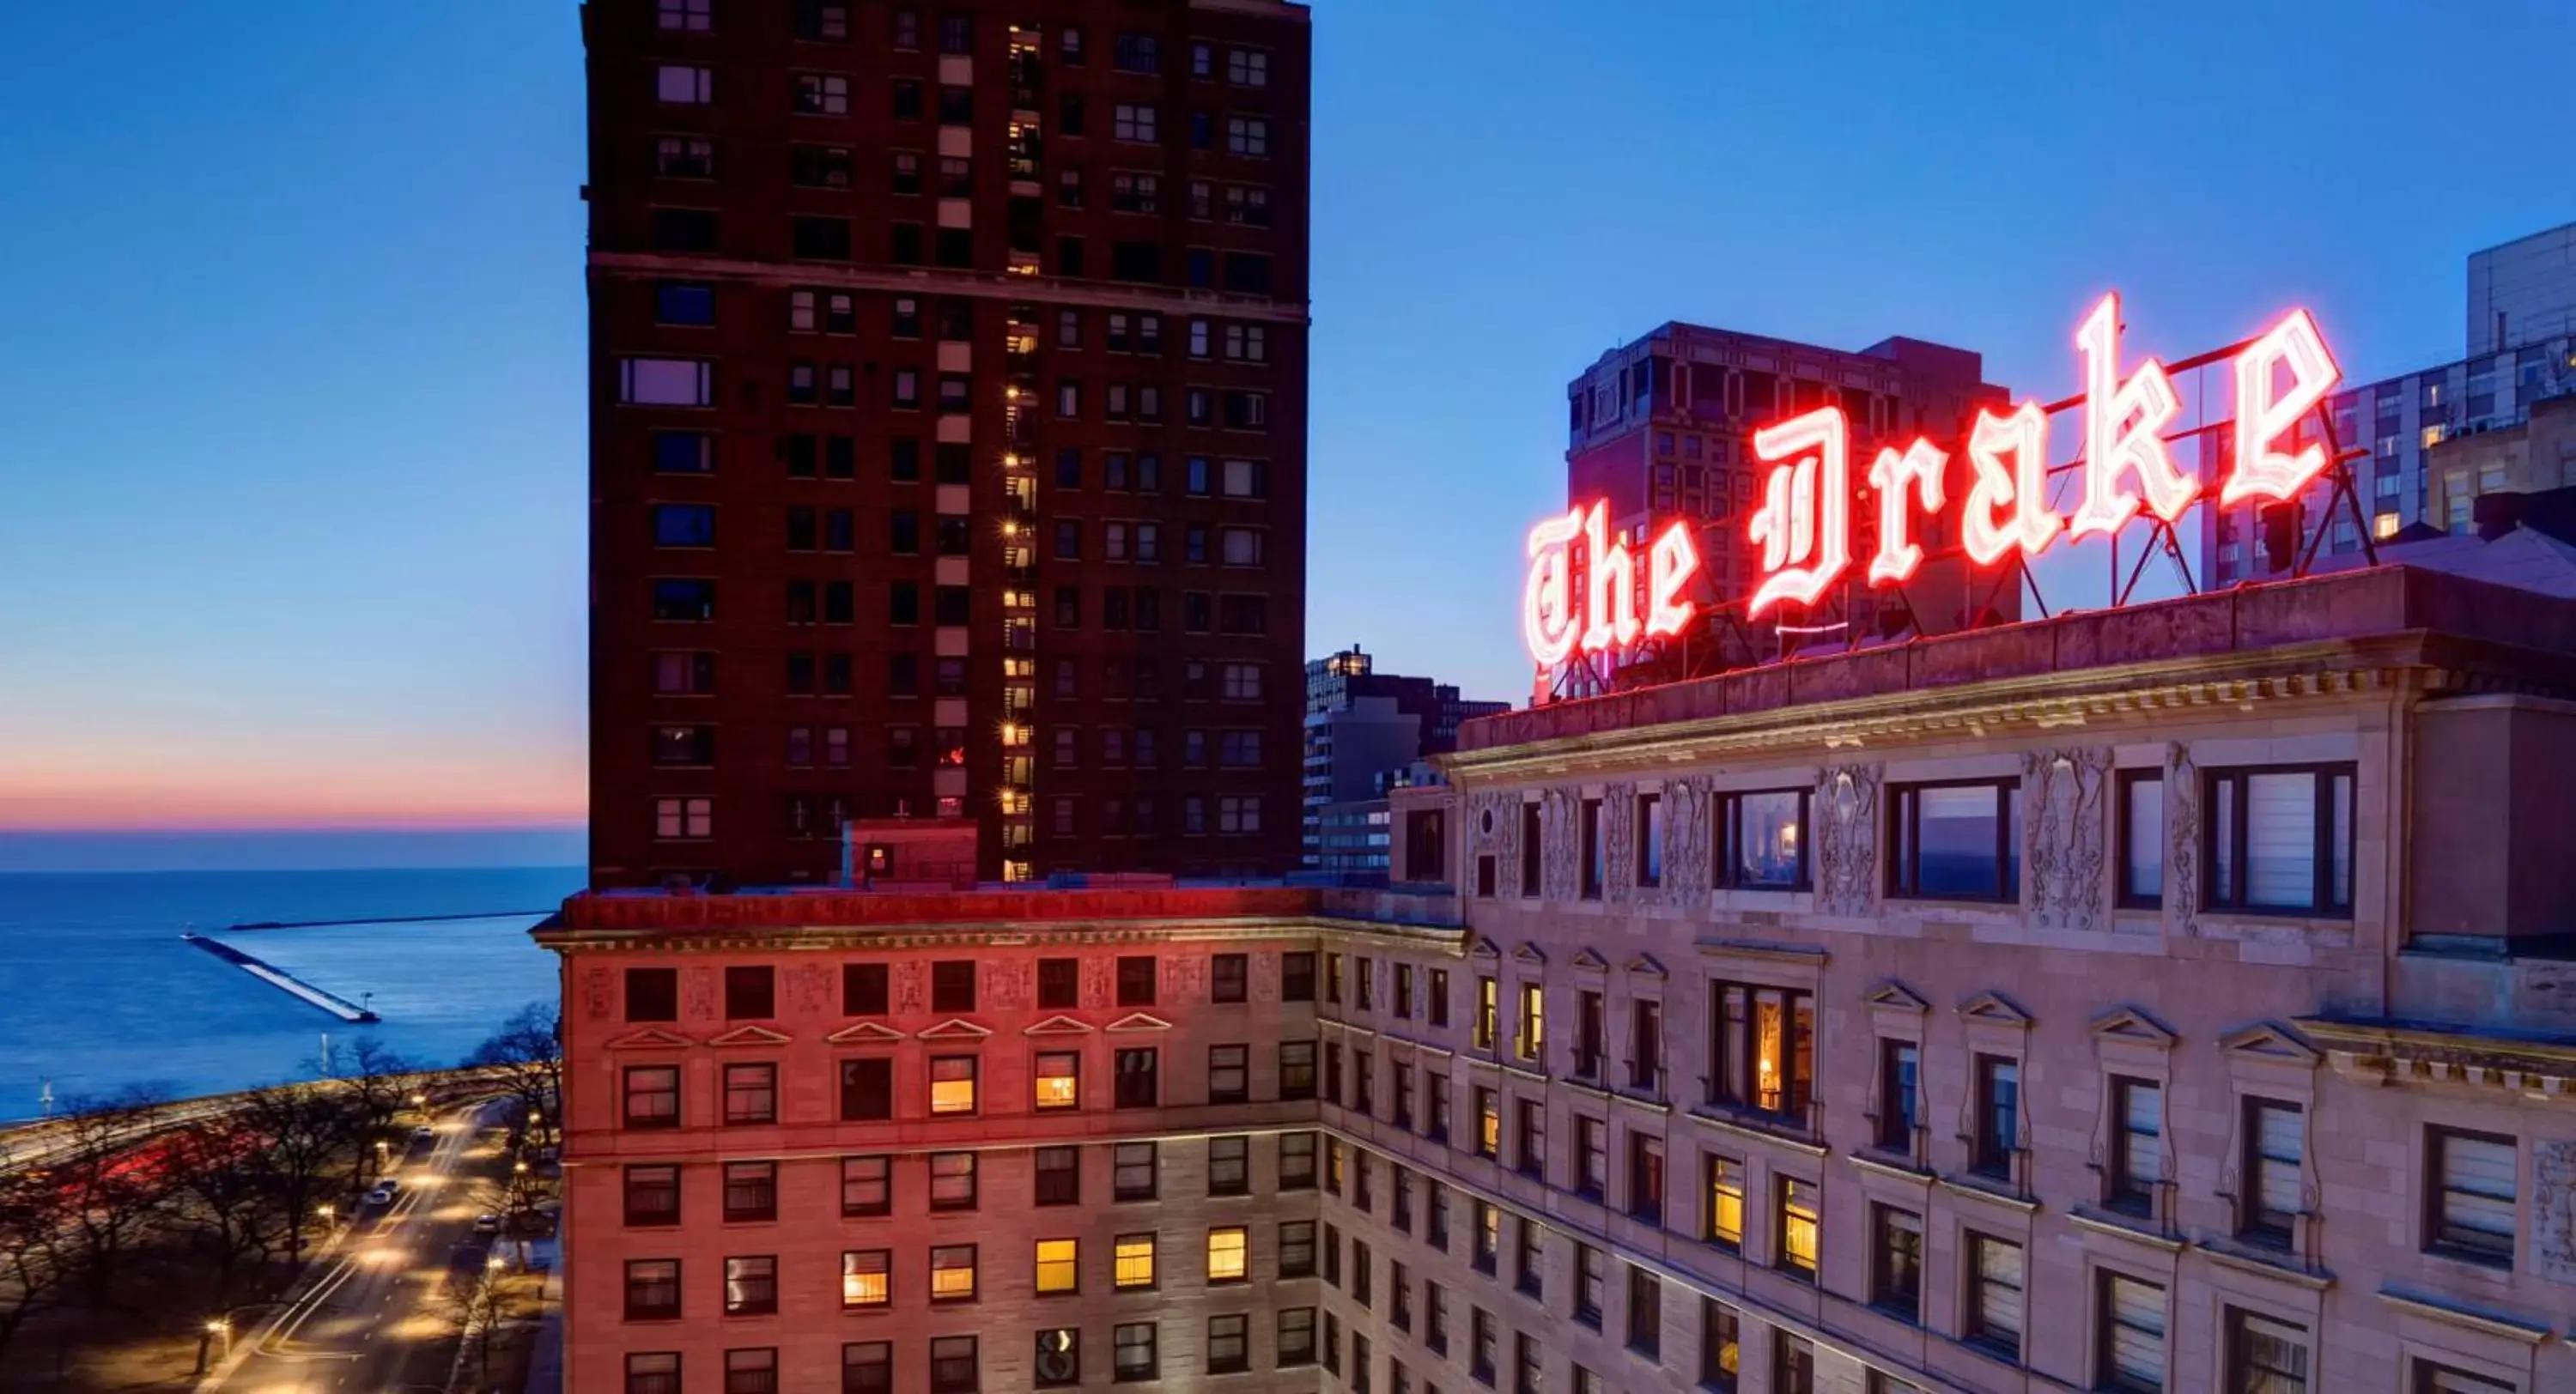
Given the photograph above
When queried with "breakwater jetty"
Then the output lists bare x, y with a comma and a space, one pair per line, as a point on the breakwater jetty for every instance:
283, 981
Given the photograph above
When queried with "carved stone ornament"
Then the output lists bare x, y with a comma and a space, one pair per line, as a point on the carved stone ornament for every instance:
1184, 978
809, 989
1686, 841
2553, 1210
1619, 840
2063, 833
907, 988
1265, 977
698, 994
2182, 840
595, 1004
1845, 815
1095, 982
1558, 872
1007, 986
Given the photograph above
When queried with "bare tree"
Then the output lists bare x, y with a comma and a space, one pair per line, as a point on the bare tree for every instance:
481, 1302
114, 1175
224, 1202
380, 1083
527, 1054
308, 1131
38, 1263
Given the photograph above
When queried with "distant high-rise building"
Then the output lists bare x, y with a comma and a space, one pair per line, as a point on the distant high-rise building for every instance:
1661, 429
2523, 291
2521, 350
948, 442
1363, 726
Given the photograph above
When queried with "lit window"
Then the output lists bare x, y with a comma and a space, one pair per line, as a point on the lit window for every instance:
1059, 1079
866, 1278
1797, 1227
1725, 1202
1134, 1266
952, 1273
1228, 1256
1059, 1266
2384, 526
952, 1084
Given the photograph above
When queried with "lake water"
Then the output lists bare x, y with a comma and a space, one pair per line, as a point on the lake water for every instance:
98, 991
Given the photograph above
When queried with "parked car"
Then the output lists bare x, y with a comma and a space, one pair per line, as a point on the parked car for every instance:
384, 1193
487, 1224
424, 1133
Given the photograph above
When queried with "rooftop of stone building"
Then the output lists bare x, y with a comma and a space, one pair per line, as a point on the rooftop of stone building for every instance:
629, 914
2400, 614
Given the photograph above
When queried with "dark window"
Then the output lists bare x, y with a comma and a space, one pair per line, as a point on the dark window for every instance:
1896, 1259
1998, 1139
2137, 1162
653, 1195
683, 452
1761, 840
867, 1367
1133, 1171
684, 600
751, 1191
1648, 827
2280, 840
2129, 1335
652, 994
952, 986
652, 1289
1296, 1069
750, 1286
2472, 1195
863, 989
652, 1096
1059, 1176
751, 992
684, 230
1531, 848
2273, 1194
1899, 1092
1297, 977
750, 1094
1059, 983
1645, 1313
1136, 981
2265, 1356
820, 239
867, 1186
1956, 841
954, 1366
2142, 838
1138, 1078
1996, 1285
677, 303
1228, 977
867, 1089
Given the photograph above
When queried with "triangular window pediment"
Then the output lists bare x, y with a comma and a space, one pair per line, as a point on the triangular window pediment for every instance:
2130, 1024
2270, 1040
1644, 966
1529, 953
1140, 1021
1896, 995
1058, 1026
864, 1033
1994, 1007
749, 1036
1588, 961
1484, 949
955, 1029
650, 1038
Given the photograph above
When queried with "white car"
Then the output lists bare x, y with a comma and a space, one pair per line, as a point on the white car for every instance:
384, 1192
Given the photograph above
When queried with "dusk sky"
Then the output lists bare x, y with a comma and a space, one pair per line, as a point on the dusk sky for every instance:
293, 362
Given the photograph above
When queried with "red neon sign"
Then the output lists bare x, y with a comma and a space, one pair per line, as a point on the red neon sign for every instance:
1560, 617
1804, 524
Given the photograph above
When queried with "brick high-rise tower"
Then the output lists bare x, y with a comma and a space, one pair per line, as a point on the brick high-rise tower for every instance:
947, 431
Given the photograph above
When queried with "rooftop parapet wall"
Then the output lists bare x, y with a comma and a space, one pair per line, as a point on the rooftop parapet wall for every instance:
2472, 626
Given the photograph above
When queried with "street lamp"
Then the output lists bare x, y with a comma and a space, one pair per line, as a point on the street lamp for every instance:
418, 1098
325, 1210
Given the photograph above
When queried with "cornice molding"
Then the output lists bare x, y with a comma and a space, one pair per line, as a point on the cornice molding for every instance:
2000, 707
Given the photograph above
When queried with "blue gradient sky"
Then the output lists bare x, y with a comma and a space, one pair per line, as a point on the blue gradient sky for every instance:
291, 531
